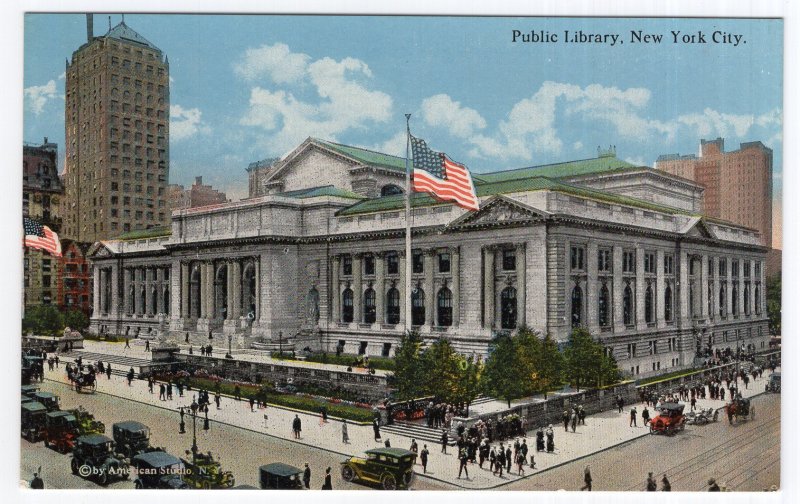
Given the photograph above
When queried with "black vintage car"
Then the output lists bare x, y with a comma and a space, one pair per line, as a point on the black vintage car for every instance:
29, 390
774, 383
278, 476
33, 421
158, 469
132, 438
49, 400
93, 457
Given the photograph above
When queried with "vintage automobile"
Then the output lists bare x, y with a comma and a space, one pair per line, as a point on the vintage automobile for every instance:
278, 476
391, 468
61, 429
774, 383
669, 419
32, 366
49, 400
29, 390
132, 438
158, 469
93, 457
206, 473
87, 423
84, 380
702, 417
33, 421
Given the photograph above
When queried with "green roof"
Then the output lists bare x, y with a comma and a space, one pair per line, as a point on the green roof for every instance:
142, 234
127, 34
327, 190
368, 157
558, 170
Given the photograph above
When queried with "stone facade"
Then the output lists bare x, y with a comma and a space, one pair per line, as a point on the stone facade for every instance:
325, 268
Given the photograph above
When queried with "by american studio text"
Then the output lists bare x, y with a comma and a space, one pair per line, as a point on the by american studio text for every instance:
631, 37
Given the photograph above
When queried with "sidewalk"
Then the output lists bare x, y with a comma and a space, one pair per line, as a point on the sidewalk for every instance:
602, 431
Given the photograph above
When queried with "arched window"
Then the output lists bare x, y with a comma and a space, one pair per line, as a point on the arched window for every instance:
649, 305
141, 304
747, 300
369, 306
165, 301
735, 300
393, 306
418, 307
444, 308
758, 299
153, 301
577, 306
668, 303
710, 301
627, 306
390, 189
722, 306
603, 303
508, 308
130, 302
347, 305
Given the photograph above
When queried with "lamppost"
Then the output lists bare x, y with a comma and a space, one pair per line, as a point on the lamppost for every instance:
280, 343
230, 341
193, 408
183, 424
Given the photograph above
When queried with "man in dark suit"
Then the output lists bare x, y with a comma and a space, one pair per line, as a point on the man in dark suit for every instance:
307, 477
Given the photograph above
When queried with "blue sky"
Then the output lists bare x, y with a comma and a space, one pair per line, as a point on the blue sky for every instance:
251, 87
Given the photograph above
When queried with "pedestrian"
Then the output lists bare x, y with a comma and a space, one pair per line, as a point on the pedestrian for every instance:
180, 389
169, 391
520, 463
501, 459
108, 370
551, 446
712, 485
56, 361
581, 415
632, 423
387, 443
574, 420
150, 384
423, 457
620, 403
296, 426
345, 436
565, 419
509, 459
414, 447
462, 463
645, 416
127, 343
147, 346
130, 376
376, 429
694, 403
162, 392
524, 451
37, 483
202, 350
587, 479
665, 486
444, 441
252, 403
237, 392
327, 485
217, 398
307, 477
651, 483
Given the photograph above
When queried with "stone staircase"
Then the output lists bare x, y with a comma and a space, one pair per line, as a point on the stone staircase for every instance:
419, 431
120, 364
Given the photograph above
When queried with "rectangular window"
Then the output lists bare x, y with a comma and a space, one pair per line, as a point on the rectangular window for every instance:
392, 263
649, 262
735, 268
444, 262
347, 265
629, 261
417, 265
604, 261
631, 350
669, 264
747, 269
387, 347
362, 348
577, 258
509, 260
369, 264
723, 267
711, 266
758, 270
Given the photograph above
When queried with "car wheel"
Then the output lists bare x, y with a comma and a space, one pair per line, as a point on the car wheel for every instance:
408, 478
74, 466
388, 482
103, 477
348, 473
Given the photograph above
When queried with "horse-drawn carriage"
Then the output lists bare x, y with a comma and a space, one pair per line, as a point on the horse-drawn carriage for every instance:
739, 409
84, 380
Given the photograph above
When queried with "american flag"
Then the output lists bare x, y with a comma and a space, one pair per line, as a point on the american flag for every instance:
443, 178
41, 237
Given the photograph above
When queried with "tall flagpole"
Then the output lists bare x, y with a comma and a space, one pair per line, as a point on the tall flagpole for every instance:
407, 300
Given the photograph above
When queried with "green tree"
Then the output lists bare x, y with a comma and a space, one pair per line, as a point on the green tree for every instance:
550, 365
586, 361
470, 381
774, 304
442, 371
501, 374
43, 320
408, 376
76, 320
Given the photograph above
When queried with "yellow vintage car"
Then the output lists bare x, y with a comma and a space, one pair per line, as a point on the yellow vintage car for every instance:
391, 468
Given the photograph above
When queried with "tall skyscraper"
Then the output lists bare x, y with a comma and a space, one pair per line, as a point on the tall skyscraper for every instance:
738, 183
117, 135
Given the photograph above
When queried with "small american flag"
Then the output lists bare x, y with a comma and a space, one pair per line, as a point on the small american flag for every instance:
41, 237
443, 178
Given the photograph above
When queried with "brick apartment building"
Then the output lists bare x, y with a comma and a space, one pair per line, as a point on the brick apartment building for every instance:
197, 195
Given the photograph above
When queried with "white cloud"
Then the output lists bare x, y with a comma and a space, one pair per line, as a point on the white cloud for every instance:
577, 145
63, 75
441, 111
714, 123
277, 62
345, 100
638, 161
185, 123
38, 96
395, 146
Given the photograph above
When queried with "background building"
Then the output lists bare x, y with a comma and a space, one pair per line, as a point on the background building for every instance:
117, 135
738, 184
74, 285
42, 192
197, 195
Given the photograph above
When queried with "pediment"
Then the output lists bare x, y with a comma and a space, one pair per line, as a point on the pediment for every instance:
99, 250
498, 211
699, 229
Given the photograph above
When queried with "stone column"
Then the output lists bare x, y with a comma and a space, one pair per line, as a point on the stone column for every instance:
126, 291
202, 290
185, 286
101, 295
455, 268
660, 288
401, 286
592, 289
210, 291
741, 288
236, 295
95, 291
380, 288
229, 290
115, 299
258, 287
617, 291
148, 297
336, 312
520, 263
641, 287
729, 287
682, 299
358, 289
488, 286
430, 295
